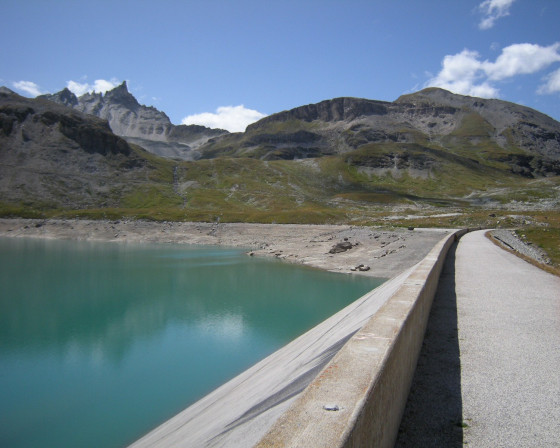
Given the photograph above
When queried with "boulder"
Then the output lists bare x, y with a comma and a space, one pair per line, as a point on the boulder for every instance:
341, 247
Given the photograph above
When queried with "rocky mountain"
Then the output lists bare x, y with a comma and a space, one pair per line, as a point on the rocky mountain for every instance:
341, 160
54, 156
139, 124
406, 133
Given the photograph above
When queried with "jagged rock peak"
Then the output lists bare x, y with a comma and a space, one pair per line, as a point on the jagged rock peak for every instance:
139, 124
120, 94
64, 97
123, 87
120, 90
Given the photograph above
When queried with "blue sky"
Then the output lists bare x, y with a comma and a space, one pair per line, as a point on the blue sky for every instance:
226, 63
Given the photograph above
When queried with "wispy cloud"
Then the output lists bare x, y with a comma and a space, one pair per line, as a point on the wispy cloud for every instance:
99, 85
467, 74
552, 84
493, 10
28, 87
231, 118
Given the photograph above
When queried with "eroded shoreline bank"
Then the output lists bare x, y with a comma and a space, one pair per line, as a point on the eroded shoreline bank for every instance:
371, 251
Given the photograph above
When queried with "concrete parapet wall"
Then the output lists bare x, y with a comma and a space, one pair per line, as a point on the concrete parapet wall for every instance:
358, 399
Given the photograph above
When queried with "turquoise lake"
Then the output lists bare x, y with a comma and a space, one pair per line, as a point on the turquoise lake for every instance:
101, 342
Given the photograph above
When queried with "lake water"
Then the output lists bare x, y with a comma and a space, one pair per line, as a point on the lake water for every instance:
101, 342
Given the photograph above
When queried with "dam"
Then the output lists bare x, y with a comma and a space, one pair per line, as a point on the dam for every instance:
344, 381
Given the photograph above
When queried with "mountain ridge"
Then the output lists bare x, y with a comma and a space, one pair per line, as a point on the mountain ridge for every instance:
339, 160
332, 126
484, 130
145, 126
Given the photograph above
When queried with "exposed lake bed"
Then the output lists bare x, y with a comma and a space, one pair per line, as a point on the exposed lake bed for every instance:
386, 252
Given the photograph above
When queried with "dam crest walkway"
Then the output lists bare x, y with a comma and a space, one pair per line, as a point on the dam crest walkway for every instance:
488, 374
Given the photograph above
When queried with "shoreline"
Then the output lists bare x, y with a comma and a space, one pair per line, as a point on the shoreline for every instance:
386, 252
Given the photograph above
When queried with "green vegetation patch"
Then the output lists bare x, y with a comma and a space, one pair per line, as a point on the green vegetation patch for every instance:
20, 211
374, 197
150, 196
543, 230
473, 125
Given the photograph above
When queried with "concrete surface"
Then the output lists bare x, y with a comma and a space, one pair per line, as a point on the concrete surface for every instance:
433, 413
358, 398
489, 372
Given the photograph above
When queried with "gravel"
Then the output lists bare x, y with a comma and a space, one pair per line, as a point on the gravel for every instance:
509, 239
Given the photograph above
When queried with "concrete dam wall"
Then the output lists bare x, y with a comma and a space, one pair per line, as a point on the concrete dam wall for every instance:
344, 383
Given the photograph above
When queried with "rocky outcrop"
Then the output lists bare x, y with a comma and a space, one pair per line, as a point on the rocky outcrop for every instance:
145, 126
32, 121
338, 109
508, 124
64, 97
403, 160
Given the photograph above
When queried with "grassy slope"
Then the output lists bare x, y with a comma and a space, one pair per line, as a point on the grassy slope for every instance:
339, 188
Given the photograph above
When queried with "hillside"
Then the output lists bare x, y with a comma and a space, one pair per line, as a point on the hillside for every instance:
341, 160
55, 158
388, 136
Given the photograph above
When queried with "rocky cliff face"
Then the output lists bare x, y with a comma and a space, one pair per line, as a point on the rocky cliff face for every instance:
139, 124
338, 109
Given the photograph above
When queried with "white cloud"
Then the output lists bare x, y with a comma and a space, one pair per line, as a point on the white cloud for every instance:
493, 10
522, 59
99, 85
28, 87
463, 73
552, 84
231, 118
467, 74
